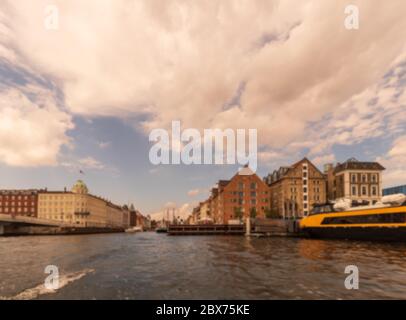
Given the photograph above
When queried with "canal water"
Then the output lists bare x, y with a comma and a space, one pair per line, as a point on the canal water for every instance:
157, 266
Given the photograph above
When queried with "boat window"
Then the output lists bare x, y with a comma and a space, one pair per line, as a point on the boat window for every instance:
399, 217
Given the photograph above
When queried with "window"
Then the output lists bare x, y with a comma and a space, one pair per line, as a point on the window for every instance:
374, 193
354, 190
305, 182
374, 178
368, 219
353, 178
305, 190
304, 174
364, 178
253, 185
305, 198
364, 190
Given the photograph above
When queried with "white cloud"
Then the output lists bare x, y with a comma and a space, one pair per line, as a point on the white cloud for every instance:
187, 60
394, 161
289, 69
32, 132
325, 159
193, 192
104, 144
182, 211
91, 163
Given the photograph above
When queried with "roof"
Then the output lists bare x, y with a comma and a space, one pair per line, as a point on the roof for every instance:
223, 183
354, 164
283, 171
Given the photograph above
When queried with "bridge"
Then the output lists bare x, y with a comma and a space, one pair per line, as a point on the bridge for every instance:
11, 223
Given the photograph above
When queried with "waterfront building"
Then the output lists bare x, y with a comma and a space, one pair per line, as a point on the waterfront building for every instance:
81, 208
19, 202
201, 214
355, 180
244, 195
394, 190
295, 189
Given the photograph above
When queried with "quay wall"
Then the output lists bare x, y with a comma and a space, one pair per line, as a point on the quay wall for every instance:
12, 230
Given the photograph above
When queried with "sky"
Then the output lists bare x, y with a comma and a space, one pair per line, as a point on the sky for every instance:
83, 83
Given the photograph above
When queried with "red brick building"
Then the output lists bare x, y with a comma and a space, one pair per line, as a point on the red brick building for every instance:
242, 196
19, 202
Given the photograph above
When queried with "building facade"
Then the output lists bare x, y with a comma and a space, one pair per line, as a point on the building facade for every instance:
79, 207
201, 214
244, 195
294, 190
19, 202
359, 181
394, 190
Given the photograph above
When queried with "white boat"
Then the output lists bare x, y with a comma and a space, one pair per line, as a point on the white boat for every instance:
134, 229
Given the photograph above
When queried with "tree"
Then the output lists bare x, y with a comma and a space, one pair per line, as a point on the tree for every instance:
268, 213
272, 213
238, 213
253, 212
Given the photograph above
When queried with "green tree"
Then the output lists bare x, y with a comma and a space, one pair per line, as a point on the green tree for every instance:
238, 213
268, 213
253, 212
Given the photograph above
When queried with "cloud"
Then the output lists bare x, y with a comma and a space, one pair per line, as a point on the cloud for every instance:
91, 163
33, 121
325, 159
104, 144
193, 192
394, 161
32, 130
182, 211
87, 163
289, 69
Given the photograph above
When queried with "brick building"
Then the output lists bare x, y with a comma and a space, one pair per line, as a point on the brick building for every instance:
242, 196
295, 189
355, 180
19, 202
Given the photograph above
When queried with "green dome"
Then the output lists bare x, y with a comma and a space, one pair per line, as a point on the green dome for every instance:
80, 187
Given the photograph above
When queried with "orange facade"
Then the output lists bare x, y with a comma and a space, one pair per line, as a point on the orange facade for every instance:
242, 196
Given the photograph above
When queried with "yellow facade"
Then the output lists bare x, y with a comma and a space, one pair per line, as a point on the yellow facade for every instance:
80, 208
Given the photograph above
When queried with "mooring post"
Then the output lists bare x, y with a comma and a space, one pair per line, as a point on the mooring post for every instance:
248, 227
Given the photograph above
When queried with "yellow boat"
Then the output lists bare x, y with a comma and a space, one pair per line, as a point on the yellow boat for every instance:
384, 221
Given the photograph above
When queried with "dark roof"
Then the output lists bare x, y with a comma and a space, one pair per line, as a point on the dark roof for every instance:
354, 164
223, 183
284, 171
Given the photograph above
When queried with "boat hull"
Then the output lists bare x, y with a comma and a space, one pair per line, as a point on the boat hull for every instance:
393, 234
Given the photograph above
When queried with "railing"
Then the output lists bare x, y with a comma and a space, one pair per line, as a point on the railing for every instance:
206, 229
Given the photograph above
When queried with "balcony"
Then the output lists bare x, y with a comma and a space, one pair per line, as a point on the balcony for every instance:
82, 213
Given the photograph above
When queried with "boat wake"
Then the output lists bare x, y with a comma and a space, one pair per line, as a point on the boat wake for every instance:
41, 290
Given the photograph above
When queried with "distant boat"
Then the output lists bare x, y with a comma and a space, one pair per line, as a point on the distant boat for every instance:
134, 229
